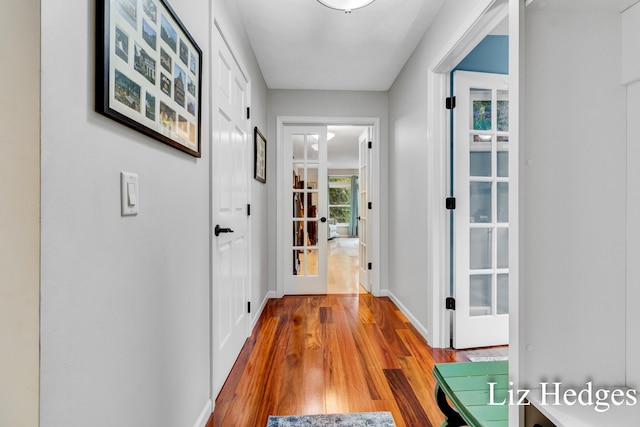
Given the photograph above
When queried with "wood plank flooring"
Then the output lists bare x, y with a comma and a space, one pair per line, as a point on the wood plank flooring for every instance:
332, 354
343, 270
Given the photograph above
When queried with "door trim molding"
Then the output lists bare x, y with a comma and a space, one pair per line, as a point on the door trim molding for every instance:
478, 24
281, 122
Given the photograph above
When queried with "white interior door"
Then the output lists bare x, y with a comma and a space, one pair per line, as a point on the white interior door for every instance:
306, 207
364, 224
230, 177
481, 226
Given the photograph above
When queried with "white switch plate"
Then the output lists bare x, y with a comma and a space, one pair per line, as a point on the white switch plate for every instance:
129, 199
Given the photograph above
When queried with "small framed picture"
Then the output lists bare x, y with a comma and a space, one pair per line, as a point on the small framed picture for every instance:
259, 156
146, 63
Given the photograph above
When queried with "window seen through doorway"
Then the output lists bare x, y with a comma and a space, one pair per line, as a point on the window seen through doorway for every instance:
340, 199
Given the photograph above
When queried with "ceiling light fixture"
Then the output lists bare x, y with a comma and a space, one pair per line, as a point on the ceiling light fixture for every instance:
346, 5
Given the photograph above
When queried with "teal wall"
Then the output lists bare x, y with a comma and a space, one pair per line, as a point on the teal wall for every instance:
490, 56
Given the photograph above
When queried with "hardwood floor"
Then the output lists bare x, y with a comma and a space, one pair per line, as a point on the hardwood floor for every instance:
343, 268
332, 354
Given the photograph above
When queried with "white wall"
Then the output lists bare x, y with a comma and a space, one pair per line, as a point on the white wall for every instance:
125, 311
19, 213
409, 219
574, 216
633, 236
631, 76
327, 104
125, 300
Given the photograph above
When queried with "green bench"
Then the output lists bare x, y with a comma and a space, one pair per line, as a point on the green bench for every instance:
467, 387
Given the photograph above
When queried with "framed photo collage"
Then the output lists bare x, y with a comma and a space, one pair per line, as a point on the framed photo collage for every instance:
149, 71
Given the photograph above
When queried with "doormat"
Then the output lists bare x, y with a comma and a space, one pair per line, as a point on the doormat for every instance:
488, 355
363, 419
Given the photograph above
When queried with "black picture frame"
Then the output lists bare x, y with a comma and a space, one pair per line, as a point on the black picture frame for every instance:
149, 72
259, 156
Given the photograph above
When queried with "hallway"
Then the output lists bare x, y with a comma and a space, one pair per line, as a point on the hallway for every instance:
332, 354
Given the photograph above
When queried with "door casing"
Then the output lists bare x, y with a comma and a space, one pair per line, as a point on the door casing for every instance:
486, 16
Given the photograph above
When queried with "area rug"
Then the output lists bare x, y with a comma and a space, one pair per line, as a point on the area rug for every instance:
349, 246
363, 419
488, 355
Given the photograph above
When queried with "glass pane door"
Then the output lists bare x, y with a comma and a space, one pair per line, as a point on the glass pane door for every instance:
481, 226
308, 206
488, 130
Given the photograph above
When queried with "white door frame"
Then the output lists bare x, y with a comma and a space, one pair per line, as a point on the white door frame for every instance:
282, 121
485, 17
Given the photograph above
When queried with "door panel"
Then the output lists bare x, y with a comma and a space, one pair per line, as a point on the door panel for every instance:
230, 160
481, 140
306, 207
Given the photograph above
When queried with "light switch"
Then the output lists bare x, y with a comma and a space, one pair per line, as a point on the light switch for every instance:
129, 193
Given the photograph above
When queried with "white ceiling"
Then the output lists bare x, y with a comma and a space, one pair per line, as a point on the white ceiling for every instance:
301, 44
343, 150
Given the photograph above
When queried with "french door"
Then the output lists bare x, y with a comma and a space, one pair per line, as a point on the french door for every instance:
306, 210
481, 225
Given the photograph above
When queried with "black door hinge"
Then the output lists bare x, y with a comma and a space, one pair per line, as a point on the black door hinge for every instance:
248, 113
248, 209
249, 307
370, 266
451, 203
451, 103
370, 144
450, 303
370, 205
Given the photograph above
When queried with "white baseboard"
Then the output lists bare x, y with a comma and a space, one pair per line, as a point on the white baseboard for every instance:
263, 304
414, 321
204, 415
